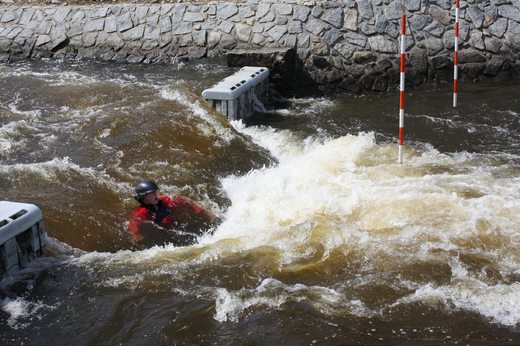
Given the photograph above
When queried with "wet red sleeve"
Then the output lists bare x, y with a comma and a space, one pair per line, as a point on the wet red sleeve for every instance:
138, 216
181, 202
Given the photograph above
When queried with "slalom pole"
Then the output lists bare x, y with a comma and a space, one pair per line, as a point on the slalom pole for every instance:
456, 55
401, 90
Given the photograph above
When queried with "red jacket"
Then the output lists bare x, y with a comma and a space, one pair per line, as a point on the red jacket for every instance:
163, 214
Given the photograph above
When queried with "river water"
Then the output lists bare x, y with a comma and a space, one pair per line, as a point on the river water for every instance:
322, 238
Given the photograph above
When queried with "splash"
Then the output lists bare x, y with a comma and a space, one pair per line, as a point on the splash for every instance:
54, 169
500, 303
21, 312
211, 126
272, 294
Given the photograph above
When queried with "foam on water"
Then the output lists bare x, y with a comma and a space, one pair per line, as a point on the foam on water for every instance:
22, 311
272, 294
51, 170
9, 134
210, 123
325, 196
500, 303
348, 195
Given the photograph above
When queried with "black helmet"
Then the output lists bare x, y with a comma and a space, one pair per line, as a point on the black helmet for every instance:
145, 187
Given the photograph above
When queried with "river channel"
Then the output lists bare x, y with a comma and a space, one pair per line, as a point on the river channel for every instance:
322, 237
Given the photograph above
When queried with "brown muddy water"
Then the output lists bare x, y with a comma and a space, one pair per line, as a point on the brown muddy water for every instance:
322, 239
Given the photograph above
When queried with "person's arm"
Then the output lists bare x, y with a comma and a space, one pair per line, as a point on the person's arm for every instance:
185, 203
136, 220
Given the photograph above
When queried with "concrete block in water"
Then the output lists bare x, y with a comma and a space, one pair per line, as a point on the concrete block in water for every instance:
236, 96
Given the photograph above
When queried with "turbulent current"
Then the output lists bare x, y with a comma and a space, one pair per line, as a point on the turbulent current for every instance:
322, 237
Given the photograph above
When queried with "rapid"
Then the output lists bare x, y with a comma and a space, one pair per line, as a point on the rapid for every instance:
323, 238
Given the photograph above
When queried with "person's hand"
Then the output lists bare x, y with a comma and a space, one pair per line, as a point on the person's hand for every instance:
209, 216
136, 238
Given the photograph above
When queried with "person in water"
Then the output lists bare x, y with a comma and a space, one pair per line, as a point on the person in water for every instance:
167, 213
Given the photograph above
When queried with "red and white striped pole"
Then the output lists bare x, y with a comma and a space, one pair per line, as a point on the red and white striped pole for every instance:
401, 90
456, 55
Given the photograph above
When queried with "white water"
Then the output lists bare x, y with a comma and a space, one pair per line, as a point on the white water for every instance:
325, 196
348, 193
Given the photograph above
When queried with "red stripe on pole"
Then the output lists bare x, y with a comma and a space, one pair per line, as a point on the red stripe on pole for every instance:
401, 88
456, 54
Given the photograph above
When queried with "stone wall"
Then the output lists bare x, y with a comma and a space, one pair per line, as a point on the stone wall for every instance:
342, 45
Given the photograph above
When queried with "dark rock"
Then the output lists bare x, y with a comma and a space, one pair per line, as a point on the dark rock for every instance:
58, 43
106, 55
135, 58
435, 28
472, 70
350, 84
120, 56
516, 68
364, 57
320, 48
384, 65
440, 61
380, 84
433, 45
494, 66
320, 62
507, 54
493, 44
356, 71
227, 42
445, 4
471, 56
367, 82
333, 76
418, 60
513, 42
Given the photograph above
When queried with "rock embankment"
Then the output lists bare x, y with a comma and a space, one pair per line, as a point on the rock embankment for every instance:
341, 45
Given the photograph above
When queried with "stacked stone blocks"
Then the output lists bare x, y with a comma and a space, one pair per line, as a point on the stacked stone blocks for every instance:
347, 45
